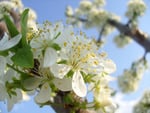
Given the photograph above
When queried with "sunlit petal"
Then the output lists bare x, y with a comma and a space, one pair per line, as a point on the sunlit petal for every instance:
44, 94
10, 43
2, 64
49, 57
64, 84
109, 66
78, 85
59, 70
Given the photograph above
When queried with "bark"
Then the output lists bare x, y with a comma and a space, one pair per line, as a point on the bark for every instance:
66, 108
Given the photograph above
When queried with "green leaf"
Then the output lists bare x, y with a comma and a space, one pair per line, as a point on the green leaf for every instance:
62, 62
57, 35
11, 26
24, 18
24, 57
70, 73
56, 46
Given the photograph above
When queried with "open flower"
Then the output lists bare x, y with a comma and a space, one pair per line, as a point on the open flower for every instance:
44, 43
5, 94
136, 8
81, 55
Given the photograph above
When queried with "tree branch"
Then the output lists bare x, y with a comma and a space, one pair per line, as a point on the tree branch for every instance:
67, 108
138, 36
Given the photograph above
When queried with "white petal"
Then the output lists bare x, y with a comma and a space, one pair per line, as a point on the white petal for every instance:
9, 75
36, 43
25, 96
78, 85
109, 66
44, 94
2, 65
59, 70
4, 39
13, 100
63, 84
10, 43
49, 57
2, 92
31, 83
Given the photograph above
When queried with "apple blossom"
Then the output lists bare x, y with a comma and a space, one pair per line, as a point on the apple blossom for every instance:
143, 105
135, 8
130, 79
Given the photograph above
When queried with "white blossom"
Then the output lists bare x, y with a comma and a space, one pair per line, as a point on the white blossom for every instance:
91, 14
4, 94
99, 3
129, 81
143, 105
122, 40
44, 95
4, 6
81, 55
101, 90
135, 8
44, 41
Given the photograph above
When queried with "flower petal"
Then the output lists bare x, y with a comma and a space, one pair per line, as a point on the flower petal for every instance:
49, 57
13, 100
10, 43
4, 39
2, 92
2, 65
109, 66
63, 84
78, 85
44, 94
59, 70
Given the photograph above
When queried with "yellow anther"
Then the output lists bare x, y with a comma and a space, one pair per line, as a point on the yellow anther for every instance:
65, 44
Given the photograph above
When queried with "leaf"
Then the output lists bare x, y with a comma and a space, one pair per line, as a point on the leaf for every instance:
11, 26
24, 18
23, 57
56, 46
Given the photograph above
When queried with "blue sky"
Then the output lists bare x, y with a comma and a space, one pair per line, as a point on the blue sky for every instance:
53, 10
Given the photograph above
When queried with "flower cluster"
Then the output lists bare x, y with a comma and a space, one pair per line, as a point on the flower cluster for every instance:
70, 58
63, 61
129, 81
122, 40
17, 6
143, 105
91, 14
135, 8
6, 75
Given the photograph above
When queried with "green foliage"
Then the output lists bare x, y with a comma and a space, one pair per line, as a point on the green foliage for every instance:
55, 46
24, 18
24, 57
11, 26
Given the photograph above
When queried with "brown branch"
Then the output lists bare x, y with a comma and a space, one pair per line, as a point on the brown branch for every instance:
67, 108
135, 34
